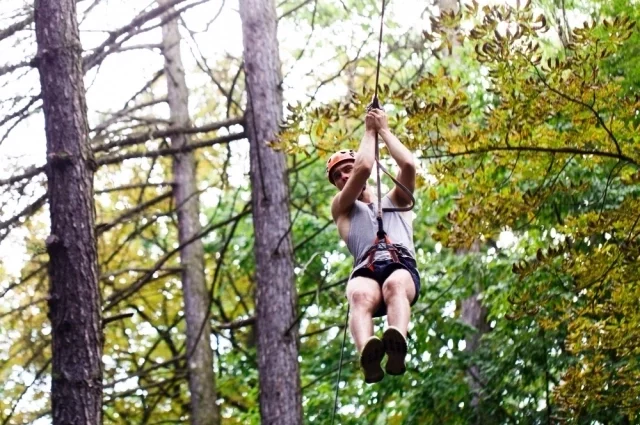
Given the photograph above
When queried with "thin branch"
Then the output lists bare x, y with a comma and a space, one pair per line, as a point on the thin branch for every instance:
146, 86
202, 64
117, 317
37, 378
103, 227
561, 150
145, 371
7, 69
42, 268
27, 211
141, 138
126, 111
585, 105
313, 235
237, 324
18, 26
323, 330
100, 51
170, 151
171, 270
150, 46
121, 295
290, 11
132, 186
21, 111
325, 287
24, 307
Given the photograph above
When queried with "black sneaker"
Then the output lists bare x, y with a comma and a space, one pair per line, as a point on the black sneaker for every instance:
395, 345
370, 359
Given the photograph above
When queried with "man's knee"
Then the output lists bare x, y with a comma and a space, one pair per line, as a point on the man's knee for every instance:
399, 284
363, 295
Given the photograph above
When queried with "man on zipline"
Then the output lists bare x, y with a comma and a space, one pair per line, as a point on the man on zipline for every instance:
383, 281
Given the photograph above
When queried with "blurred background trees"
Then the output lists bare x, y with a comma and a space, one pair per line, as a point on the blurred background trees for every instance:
524, 118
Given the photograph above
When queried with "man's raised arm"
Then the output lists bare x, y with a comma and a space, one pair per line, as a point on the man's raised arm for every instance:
404, 159
362, 166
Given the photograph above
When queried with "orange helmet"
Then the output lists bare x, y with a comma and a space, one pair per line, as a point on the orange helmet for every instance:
338, 158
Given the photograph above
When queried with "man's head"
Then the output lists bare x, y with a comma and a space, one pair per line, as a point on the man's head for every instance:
339, 167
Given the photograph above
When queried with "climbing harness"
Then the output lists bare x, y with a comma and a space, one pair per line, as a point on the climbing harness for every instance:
382, 241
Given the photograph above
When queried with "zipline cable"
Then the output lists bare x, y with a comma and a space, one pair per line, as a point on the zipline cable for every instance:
375, 96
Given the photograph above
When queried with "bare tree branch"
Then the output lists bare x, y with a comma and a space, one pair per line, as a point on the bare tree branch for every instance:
7, 69
144, 88
103, 227
170, 151
133, 186
27, 211
113, 45
107, 320
126, 111
138, 270
18, 26
29, 173
24, 307
294, 9
20, 112
141, 138
123, 294
250, 321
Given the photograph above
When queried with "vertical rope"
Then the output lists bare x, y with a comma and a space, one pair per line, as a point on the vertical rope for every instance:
344, 338
375, 97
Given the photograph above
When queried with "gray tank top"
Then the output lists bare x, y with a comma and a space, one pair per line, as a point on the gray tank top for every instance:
364, 226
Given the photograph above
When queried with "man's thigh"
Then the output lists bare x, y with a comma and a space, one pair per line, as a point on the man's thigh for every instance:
400, 280
364, 289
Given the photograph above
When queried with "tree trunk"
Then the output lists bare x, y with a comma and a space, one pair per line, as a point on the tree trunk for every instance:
74, 304
475, 315
280, 398
202, 387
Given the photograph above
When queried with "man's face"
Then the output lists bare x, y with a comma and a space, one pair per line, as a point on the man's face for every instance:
341, 173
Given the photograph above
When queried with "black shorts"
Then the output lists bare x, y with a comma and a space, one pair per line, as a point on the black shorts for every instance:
383, 269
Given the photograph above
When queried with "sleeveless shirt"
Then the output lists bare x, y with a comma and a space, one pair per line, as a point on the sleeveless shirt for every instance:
364, 226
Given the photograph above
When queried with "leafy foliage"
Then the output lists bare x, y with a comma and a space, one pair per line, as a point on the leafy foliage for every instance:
551, 148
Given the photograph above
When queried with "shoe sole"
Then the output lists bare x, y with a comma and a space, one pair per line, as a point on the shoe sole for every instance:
370, 360
395, 345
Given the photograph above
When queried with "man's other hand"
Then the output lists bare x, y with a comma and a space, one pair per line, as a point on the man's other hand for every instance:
371, 122
380, 119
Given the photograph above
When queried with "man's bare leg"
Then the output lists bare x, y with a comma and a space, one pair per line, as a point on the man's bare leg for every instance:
398, 291
364, 297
